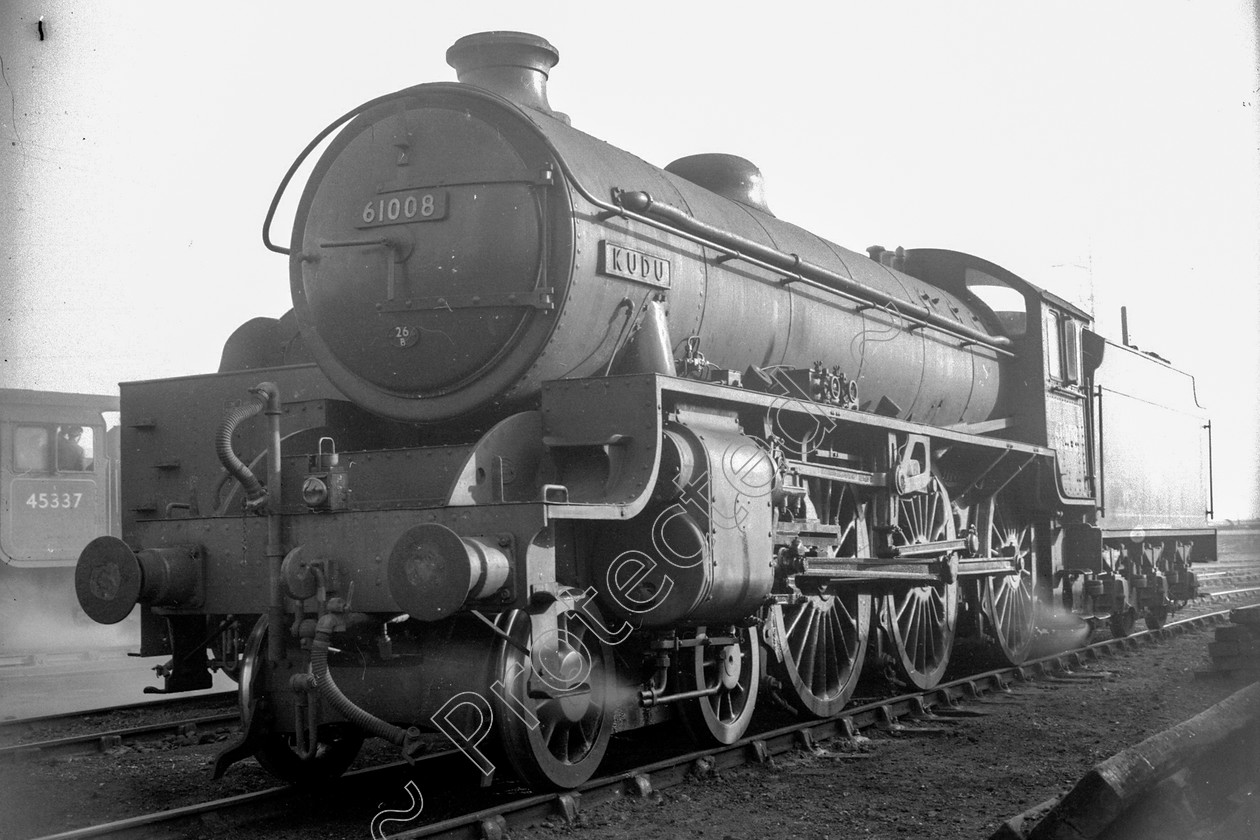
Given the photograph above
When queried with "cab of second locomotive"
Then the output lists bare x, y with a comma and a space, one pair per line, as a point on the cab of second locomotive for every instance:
57, 474
58, 490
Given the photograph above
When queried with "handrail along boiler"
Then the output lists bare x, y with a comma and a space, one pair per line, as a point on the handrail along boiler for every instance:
588, 445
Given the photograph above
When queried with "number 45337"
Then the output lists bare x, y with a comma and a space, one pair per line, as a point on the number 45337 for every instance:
41, 501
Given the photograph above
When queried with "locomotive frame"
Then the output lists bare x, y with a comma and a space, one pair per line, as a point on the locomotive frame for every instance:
780, 464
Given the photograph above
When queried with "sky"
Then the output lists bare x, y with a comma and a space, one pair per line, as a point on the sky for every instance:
1107, 152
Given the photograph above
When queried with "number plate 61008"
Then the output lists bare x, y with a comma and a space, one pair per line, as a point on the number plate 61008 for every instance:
404, 207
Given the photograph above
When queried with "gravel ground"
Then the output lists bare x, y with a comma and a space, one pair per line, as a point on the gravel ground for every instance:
1032, 744
19, 732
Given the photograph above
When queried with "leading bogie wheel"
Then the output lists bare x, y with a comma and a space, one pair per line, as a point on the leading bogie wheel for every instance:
1156, 618
558, 683
333, 752
336, 744
1007, 601
1122, 620
920, 620
731, 670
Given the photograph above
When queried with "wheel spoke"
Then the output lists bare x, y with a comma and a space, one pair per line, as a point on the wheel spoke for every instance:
809, 651
793, 627
914, 627
927, 626
830, 661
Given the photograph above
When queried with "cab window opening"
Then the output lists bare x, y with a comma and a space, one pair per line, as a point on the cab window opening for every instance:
74, 448
1007, 304
1054, 346
1071, 351
54, 448
1063, 348
30, 449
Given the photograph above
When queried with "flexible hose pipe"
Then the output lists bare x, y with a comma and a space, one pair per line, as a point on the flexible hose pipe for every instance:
223, 448
405, 738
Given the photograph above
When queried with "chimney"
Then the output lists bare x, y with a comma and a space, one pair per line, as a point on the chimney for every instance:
514, 65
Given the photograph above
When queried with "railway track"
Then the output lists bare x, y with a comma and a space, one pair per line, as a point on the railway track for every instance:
60, 734
910, 713
175, 702
1231, 575
190, 729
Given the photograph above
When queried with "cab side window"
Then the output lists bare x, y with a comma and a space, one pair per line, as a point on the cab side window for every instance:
45, 449
1054, 345
30, 449
1063, 348
74, 448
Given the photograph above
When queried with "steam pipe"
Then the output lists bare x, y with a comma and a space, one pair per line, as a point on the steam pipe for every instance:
275, 542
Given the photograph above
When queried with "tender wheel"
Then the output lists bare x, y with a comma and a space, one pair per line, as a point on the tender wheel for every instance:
820, 641
1006, 602
559, 682
1121, 622
920, 620
735, 671
335, 751
1155, 618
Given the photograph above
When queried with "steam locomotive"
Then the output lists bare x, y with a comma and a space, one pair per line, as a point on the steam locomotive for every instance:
555, 443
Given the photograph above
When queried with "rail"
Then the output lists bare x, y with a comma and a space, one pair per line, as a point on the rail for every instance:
168, 702
101, 741
217, 817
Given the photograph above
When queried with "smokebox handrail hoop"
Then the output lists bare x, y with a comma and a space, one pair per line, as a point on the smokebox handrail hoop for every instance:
305, 153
